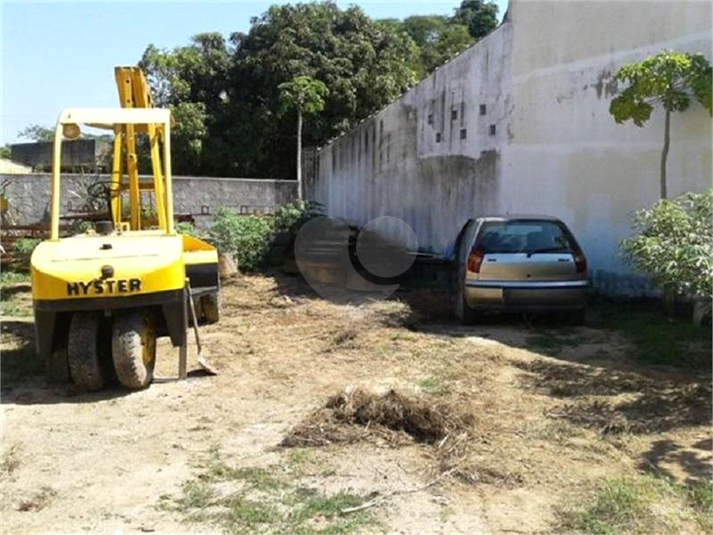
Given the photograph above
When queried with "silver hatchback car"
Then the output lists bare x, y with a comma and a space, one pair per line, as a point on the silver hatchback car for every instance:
520, 264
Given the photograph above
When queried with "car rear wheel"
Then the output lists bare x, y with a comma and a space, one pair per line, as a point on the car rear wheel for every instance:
578, 317
464, 313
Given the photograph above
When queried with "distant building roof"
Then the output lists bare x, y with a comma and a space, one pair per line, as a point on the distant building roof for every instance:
9, 167
75, 153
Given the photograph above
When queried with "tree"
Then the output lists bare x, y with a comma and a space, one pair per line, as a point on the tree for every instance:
437, 37
364, 64
480, 17
669, 79
306, 96
35, 132
5, 152
192, 82
673, 245
238, 131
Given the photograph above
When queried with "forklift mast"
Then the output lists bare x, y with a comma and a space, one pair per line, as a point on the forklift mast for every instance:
134, 93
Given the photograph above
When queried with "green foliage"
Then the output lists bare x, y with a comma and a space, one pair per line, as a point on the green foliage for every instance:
246, 239
35, 132
23, 249
303, 94
12, 277
437, 37
228, 97
5, 152
25, 246
238, 131
668, 79
246, 500
656, 338
480, 17
640, 505
186, 228
290, 217
673, 244
191, 81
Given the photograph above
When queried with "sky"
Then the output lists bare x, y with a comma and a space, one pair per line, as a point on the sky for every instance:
56, 55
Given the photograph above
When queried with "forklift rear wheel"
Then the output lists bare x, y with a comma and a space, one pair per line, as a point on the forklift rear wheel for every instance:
133, 345
83, 351
211, 307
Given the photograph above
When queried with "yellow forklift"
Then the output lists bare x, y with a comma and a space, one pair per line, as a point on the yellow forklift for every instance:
103, 296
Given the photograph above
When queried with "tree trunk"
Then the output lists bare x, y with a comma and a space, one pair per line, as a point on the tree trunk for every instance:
300, 187
664, 152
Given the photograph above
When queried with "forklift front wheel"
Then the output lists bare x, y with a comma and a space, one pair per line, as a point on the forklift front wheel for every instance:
133, 345
83, 351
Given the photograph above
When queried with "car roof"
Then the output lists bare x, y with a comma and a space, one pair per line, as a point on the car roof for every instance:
517, 217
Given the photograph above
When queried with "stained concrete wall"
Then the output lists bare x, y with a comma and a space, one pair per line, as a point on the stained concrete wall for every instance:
28, 195
428, 158
545, 142
566, 155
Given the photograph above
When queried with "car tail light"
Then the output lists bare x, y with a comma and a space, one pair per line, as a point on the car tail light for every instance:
475, 259
580, 261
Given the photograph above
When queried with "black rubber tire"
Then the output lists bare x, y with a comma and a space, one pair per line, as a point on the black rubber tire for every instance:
133, 348
210, 306
83, 351
464, 313
578, 317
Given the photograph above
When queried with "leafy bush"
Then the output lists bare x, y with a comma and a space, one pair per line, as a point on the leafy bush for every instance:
23, 249
291, 216
186, 228
246, 239
673, 245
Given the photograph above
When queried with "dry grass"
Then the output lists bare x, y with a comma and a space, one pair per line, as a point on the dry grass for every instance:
524, 431
355, 414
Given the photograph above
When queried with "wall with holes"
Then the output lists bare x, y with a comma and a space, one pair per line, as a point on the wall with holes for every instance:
28, 196
519, 123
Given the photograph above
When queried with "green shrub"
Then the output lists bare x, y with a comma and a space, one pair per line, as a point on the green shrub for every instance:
290, 217
23, 249
245, 238
186, 228
673, 245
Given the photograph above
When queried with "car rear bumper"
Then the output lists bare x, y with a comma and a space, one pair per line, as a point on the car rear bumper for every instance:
517, 296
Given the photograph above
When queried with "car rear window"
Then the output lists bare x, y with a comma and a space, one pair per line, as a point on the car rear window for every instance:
524, 236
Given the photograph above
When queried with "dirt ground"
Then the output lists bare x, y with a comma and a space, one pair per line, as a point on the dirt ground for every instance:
556, 410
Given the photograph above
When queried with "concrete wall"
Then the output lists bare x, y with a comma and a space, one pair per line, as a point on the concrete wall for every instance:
28, 195
545, 142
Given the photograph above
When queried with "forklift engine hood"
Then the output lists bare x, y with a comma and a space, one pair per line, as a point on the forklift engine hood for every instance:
94, 266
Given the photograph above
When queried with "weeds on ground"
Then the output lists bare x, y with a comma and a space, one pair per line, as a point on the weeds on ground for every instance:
244, 500
12, 308
659, 339
13, 277
551, 343
15, 294
434, 386
10, 460
641, 504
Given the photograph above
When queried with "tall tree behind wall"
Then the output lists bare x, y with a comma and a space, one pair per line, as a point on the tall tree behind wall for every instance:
225, 96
